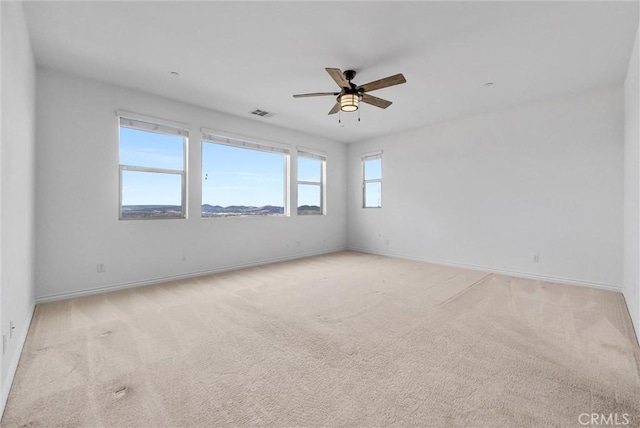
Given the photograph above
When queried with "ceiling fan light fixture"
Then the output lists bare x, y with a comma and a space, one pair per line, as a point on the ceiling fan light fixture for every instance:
349, 102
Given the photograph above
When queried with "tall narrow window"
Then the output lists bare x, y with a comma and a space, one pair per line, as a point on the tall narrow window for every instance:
243, 179
372, 180
152, 170
311, 187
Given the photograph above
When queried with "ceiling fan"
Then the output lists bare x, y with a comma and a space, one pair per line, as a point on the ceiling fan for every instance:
350, 94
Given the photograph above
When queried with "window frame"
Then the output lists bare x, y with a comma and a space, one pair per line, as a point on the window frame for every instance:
312, 154
217, 137
365, 158
158, 126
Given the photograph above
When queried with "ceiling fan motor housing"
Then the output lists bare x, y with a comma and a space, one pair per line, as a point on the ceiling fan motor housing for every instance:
349, 75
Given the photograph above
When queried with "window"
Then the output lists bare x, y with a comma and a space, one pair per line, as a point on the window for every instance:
311, 177
372, 180
152, 170
243, 179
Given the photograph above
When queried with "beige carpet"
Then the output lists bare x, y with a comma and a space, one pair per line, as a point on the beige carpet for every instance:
346, 339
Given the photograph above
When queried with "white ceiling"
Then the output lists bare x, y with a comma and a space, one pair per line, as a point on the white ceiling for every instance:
237, 56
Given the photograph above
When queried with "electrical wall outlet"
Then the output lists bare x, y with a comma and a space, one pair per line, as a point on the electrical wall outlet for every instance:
536, 258
101, 268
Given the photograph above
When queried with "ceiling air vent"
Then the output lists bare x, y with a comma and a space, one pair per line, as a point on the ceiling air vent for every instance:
261, 113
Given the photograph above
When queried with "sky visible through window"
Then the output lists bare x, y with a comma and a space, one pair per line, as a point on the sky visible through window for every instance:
373, 190
373, 169
309, 170
150, 149
234, 176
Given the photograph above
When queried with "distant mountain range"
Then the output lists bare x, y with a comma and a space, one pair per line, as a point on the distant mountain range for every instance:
150, 208
175, 211
217, 210
309, 209
151, 211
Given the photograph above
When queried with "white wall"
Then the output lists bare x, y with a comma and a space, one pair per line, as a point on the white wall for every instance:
17, 189
493, 190
77, 223
632, 188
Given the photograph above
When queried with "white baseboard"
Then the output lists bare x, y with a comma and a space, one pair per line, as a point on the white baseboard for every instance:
157, 280
636, 328
527, 275
13, 367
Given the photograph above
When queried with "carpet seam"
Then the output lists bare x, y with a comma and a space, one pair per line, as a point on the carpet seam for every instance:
442, 304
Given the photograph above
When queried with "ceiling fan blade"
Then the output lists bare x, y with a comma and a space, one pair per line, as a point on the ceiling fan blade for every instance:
335, 109
383, 83
375, 101
316, 94
338, 77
